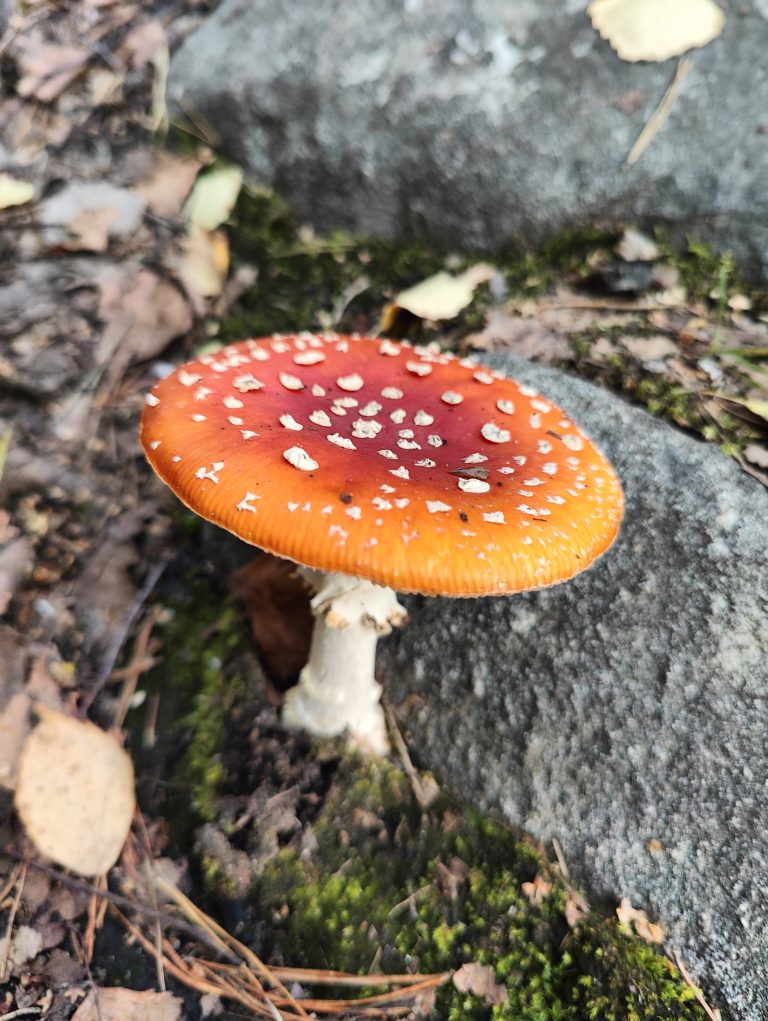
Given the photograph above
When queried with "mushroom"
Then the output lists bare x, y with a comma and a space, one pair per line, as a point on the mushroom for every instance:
378, 466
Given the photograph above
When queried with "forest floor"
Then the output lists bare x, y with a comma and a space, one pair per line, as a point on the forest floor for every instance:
125, 247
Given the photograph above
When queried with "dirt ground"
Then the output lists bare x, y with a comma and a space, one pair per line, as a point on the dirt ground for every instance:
119, 607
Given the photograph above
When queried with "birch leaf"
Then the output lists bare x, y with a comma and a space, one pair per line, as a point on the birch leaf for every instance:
75, 793
441, 296
213, 197
655, 30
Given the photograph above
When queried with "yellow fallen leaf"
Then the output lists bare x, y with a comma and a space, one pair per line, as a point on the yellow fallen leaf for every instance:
205, 261
441, 296
655, 29
75, 793
14, 192
757, 407
213, 197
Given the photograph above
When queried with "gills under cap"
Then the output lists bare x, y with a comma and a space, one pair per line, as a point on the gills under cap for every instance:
403, 465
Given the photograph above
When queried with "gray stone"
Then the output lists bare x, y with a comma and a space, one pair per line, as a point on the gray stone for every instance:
474, 123
628, 705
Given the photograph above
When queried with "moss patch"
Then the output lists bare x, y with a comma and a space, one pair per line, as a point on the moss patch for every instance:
200, 682
391, 885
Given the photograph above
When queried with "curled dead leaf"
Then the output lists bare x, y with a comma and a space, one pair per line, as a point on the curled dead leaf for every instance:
537, 891
480, 980
639, 921
48, 68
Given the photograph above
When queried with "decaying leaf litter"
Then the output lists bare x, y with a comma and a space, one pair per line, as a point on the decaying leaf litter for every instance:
127, 249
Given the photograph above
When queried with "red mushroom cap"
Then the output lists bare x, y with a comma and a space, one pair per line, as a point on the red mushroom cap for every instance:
402, 465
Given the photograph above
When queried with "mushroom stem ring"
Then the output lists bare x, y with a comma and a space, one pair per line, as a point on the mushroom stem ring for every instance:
337, 689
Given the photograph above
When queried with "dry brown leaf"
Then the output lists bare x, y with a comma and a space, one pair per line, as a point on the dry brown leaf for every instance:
277, 603
524, 335
537, 891
634, 918
14, 727
655, 30
84, 215
102, 1004
143, 313
47, 68
574, 911
756, 454
16, 559
143, 42
75, 793
480, 980
171, 181
650, 349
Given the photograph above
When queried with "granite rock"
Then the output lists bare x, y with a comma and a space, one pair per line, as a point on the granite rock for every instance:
476, 123
628, 706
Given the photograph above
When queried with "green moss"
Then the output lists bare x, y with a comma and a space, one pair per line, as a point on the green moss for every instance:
306, 282
429, 892
215, 879
200, 685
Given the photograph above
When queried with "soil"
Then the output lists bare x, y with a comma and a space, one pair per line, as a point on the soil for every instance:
120, 605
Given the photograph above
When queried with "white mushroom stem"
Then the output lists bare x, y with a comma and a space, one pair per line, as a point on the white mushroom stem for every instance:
337, 690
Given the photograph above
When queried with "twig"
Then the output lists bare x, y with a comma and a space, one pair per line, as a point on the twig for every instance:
660, 114
199, 916
560, 858
579, 899
140, 662
82, 886
113, 651
10, 884
712, 1012
409, 901
89, 937
422, 797
185, 974
11, 919
313, 976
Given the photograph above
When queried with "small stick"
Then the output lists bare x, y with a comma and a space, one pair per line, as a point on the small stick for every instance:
402, 750
199, 916
113, 650
10, 884
660, 114
81, 886
712, 1012
11, 919
565, 877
